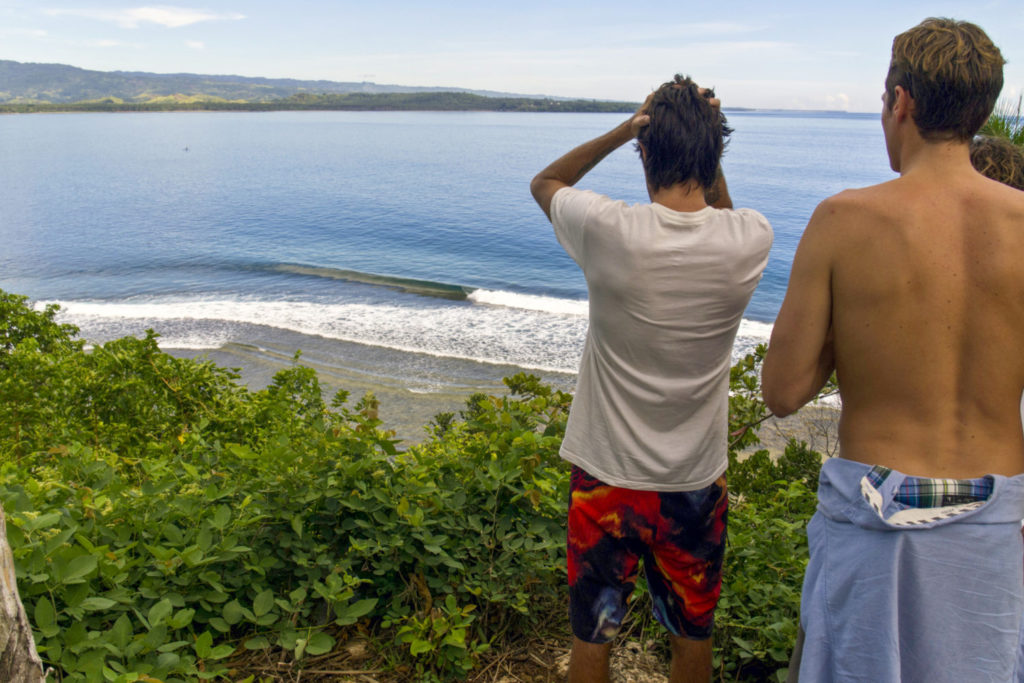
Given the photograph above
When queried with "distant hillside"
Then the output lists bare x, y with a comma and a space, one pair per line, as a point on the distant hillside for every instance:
22, 83
414, 101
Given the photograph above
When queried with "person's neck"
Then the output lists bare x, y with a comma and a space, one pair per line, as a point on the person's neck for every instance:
942, 158
684, 197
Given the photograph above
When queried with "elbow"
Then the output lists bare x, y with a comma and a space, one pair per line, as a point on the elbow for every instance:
779, 396
543, 190
778, 404
535, 187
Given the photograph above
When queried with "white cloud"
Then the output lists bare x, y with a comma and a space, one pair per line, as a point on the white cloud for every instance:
169, 17
839, 101
28, 32
110, 43
195, 44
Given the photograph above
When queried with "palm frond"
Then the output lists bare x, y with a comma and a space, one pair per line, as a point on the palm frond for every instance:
1007, 121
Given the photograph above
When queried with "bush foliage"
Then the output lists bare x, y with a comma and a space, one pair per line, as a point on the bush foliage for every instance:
166, 520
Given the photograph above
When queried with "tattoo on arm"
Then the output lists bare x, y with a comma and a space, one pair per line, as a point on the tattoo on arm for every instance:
714, 193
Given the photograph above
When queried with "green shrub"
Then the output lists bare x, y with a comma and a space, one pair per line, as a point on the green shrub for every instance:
165, 520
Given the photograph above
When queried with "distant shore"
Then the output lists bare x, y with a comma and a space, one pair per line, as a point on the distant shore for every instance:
432, 101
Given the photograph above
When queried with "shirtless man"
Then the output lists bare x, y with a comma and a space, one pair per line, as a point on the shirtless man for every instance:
913, 292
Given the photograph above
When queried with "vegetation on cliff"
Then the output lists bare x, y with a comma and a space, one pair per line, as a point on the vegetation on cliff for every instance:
169, 524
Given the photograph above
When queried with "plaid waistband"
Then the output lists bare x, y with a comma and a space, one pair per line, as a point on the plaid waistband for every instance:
926, 492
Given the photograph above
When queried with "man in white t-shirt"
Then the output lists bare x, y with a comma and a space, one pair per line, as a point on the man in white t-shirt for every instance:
668, 283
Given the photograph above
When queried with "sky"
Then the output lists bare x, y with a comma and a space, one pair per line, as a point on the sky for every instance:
787, 54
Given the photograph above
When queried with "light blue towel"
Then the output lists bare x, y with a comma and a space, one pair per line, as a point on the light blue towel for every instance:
903, 596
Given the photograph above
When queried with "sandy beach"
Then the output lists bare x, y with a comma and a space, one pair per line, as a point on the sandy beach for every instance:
413, 388
816, 424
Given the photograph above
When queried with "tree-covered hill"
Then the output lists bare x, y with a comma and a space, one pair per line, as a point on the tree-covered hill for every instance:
52, 87
423, 101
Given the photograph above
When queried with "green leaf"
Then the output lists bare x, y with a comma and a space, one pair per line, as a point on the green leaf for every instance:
96, 604
167, 660
182, 618
40, 522
320, 643
159, 612
221, 651
192, 556
421, 646
257, 643
220, 624
204, 645
121, 634
91, 664
78, 568
45, 615
172, 646
745, 645
263, 603
354, 610
242, 452
221, 517
234, 612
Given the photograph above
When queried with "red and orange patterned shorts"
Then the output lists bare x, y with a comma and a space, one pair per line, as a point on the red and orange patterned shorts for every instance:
679, 535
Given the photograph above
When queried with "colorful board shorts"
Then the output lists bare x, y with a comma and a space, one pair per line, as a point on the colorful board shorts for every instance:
679, 535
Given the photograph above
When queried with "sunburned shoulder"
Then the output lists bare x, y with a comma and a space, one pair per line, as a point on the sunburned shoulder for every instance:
862, 206
1011, 196
865, 198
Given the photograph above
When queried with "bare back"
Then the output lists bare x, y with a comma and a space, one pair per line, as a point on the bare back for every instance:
927, 285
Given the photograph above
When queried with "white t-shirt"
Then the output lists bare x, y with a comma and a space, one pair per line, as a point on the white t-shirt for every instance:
667, 293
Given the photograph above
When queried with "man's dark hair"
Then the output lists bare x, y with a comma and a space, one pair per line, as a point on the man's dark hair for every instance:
686, 136
954, 73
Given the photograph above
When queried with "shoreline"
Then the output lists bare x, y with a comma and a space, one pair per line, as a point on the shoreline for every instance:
816, 424
413, 388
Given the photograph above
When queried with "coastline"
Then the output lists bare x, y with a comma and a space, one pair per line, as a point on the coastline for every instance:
413, 387
816, 424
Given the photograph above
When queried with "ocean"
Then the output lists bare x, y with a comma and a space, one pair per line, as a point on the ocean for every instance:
400, 252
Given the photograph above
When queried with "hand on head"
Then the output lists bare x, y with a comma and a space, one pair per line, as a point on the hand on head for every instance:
709, 95
642, 119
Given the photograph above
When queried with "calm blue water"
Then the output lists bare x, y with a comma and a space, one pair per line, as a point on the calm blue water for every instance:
265, 229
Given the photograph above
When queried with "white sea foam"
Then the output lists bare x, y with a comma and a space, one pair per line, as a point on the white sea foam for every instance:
752, 329
490, 334
530, 302
532, 332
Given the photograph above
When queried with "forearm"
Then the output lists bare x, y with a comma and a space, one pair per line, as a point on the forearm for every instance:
572, 166
568, 169
718, 194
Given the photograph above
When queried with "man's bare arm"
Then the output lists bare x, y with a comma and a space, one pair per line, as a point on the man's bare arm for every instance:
568, 169
718, 194
800, 356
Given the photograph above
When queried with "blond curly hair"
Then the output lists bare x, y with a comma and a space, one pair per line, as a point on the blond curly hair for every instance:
998, 159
